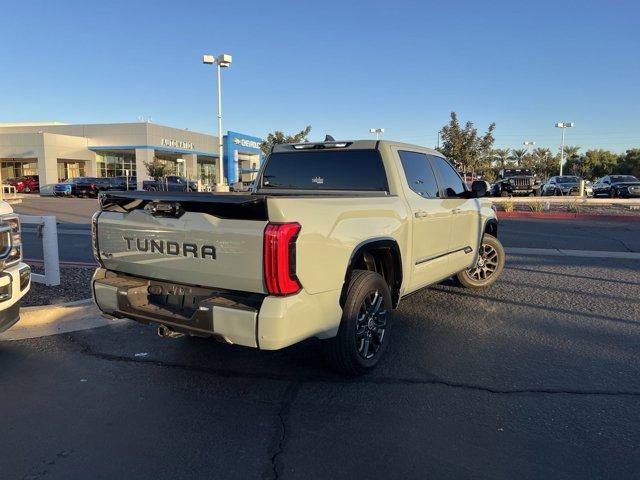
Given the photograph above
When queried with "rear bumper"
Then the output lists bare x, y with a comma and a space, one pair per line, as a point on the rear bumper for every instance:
251, 320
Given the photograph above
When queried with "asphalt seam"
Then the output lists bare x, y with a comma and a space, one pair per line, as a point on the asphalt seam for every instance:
86, 350
288, 398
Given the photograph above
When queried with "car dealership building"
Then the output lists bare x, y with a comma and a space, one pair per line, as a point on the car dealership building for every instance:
57, 151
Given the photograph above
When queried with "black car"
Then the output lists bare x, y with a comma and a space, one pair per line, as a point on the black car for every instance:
561, 185
117, 183
515, 181
78, 187
171, 183
622, 186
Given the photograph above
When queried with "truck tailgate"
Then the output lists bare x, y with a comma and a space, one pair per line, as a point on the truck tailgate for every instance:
207, 244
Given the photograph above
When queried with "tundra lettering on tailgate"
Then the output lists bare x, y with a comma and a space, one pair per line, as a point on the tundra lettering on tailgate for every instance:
170, 247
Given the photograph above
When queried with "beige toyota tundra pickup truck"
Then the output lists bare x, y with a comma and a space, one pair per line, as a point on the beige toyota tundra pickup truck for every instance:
332, 237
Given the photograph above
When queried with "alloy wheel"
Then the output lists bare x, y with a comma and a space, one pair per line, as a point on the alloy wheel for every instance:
371, 325
487, 263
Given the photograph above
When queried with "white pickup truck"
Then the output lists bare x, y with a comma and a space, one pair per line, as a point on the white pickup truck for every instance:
15, 276
332, 237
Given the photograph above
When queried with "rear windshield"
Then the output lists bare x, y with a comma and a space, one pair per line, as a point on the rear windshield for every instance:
568, 179
623, 178
360, 170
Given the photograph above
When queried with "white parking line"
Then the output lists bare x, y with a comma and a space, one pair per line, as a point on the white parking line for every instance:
560, 252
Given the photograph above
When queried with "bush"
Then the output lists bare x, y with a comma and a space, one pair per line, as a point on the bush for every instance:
574, 207
538, 206
506, 206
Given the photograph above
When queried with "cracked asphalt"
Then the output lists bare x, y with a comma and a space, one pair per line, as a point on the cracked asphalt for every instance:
537, 377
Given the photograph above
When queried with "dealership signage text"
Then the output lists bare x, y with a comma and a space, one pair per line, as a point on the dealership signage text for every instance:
168, 142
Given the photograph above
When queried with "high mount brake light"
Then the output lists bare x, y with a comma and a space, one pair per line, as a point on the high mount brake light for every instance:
280, 258
319, 146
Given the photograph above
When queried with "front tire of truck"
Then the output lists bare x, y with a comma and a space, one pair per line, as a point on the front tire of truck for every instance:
363, 334
489, 267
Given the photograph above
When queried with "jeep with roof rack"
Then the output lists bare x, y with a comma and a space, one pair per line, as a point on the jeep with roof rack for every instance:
331, 238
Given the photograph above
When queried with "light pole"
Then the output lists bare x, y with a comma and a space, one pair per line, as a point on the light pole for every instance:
438, 143
222, 61
527, 144
563, 126
378, 132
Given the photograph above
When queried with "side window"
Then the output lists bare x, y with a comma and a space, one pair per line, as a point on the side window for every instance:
452, 184
419, 174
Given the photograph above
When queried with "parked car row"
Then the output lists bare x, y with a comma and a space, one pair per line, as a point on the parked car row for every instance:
92, 186
513, 182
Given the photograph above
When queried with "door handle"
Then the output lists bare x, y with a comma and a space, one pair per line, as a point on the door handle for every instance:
421, 214
455, 211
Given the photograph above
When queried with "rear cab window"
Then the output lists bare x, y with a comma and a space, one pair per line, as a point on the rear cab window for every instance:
325, 170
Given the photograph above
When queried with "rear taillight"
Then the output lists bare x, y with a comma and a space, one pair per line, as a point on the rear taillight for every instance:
280, 258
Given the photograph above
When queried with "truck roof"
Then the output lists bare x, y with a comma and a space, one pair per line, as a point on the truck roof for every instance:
346, 144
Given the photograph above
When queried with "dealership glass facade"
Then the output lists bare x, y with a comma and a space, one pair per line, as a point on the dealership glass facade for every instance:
14, 168
116, 164
68, 169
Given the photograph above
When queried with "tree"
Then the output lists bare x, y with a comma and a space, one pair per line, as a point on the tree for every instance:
629, 163
463, 146
573, 160
544, 163
279, 137
157, 169
503, 155
598, 163
518, 155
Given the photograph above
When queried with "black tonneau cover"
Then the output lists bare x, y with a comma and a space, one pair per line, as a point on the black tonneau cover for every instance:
233, 206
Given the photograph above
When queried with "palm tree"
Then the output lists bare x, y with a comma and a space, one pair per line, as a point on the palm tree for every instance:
518, 154
571, 151
503, 155
544, 162
572, 159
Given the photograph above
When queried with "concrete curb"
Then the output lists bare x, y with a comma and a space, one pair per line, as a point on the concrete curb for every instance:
45, 320
569, 216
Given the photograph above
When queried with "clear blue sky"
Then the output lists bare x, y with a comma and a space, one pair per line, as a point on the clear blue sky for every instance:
342, 67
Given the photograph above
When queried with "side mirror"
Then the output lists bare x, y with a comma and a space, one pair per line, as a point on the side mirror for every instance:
479, 188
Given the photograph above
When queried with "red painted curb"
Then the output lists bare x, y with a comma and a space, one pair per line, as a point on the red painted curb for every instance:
568, 216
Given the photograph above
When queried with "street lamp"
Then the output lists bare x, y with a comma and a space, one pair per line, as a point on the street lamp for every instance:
377, 131
563, 126
222, 61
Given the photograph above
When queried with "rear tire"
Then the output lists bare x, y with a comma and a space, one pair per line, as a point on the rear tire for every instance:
490, 265
363, 334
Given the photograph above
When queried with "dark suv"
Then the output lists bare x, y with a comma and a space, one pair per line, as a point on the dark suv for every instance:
515, 181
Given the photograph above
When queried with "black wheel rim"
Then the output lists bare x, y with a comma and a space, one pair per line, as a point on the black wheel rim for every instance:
487, 264
371, 325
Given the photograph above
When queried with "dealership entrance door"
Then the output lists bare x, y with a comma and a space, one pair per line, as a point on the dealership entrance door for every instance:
68, 169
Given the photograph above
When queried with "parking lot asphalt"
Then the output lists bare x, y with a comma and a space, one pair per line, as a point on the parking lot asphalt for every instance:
536, 377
